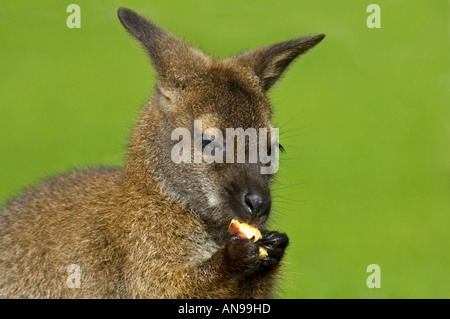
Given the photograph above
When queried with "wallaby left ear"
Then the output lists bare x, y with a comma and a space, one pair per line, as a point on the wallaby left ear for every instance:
269, 62
158, 43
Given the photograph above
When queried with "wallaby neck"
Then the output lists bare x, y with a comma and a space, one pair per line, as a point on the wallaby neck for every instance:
141, 168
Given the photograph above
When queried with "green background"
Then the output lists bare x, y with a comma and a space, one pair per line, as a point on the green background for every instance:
364, 118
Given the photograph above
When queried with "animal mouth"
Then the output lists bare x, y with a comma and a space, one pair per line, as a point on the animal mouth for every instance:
256, 219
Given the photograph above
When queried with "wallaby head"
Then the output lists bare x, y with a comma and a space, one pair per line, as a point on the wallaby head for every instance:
222, 93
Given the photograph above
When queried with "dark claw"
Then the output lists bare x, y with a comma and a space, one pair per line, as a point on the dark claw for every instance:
273, 238
268, 241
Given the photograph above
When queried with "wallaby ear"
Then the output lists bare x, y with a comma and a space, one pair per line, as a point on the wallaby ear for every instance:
269, 62
165, 50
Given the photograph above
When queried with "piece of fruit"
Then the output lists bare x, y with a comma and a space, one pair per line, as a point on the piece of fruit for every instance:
263, 252
244, 230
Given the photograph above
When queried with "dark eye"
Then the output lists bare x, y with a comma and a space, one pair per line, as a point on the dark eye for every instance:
278, 145
211, 146
205, 142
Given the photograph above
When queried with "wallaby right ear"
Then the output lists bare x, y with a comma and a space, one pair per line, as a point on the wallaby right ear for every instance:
269, 62
162, 47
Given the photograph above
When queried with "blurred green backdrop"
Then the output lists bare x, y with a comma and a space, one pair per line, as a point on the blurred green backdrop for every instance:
364, 118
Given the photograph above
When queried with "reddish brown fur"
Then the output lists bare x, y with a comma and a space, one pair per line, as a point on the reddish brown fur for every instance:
146, 230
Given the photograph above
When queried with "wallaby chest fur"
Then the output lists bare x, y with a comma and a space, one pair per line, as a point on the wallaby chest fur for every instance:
155, 228
117, 235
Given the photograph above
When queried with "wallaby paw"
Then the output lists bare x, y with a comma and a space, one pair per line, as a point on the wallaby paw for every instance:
275, 243
243, 255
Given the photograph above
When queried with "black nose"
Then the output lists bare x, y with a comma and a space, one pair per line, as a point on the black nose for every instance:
257, 203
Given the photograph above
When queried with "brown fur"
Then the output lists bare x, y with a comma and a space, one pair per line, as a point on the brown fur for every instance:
152, 229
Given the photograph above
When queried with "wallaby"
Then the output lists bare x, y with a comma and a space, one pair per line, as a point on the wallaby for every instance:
156, 228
